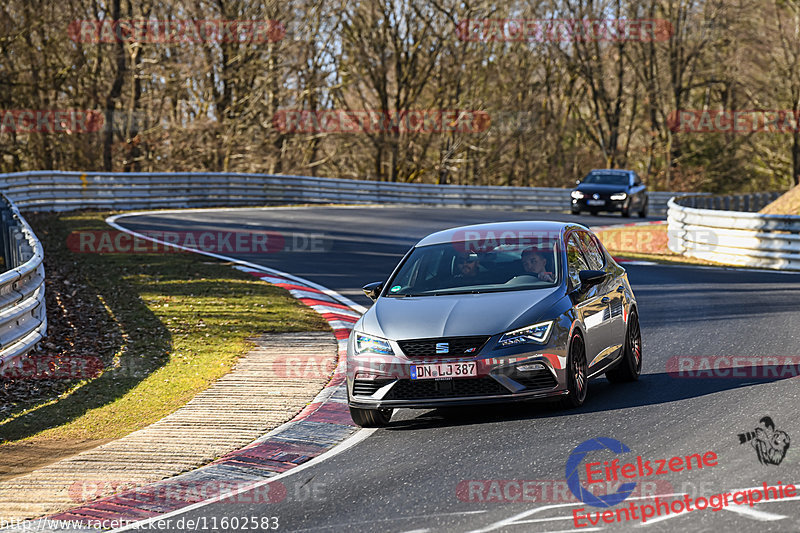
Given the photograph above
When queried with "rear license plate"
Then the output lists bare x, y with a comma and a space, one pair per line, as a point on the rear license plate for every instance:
444, 370
595, 202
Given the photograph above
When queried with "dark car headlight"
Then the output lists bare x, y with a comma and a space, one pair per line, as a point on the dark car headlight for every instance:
369, 344
619, 196
536, 334
577, 195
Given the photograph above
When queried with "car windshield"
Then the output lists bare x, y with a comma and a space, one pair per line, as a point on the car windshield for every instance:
607, 179
469, 267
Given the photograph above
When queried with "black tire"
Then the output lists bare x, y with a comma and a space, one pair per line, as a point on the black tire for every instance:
370, 418
626, 212
630, 367
577, 381
643, 212
576, 211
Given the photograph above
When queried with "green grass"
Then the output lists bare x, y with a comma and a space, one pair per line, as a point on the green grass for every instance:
182, 322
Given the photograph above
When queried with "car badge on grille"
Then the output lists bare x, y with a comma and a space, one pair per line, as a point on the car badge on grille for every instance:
470, 350
596, 196
442, 347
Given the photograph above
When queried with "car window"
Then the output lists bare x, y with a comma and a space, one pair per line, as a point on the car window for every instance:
421, 268
591, 251
493, 265
575, 260
608, 179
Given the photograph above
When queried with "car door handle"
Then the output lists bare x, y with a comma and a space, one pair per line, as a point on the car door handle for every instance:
620, 288
605, 299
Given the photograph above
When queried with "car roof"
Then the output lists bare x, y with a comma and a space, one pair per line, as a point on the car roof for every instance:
497, 228
610, 171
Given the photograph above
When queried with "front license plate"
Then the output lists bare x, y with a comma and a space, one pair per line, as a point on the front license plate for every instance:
595, 202
444, 370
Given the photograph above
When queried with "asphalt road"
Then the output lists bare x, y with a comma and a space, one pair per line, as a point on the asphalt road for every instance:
415, 474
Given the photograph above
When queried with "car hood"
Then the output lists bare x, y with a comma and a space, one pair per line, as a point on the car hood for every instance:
597, 187
457, 315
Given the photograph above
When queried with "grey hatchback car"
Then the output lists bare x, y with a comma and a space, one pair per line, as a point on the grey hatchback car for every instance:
493, 313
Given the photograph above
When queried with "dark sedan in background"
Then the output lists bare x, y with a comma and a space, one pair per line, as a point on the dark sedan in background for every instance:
610, 190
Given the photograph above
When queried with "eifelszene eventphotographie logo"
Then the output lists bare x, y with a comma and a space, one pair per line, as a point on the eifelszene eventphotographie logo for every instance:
615, 471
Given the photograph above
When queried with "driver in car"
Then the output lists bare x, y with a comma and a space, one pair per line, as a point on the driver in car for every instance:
534, 263
466, 266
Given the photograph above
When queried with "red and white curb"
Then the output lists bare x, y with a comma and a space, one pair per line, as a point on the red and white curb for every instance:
322, 429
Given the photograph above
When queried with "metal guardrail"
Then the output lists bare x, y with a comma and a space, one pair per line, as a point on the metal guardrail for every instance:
23, 321
733, 237
736, 202
62, 191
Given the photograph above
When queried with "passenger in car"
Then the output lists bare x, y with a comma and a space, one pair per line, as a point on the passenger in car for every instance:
534, 262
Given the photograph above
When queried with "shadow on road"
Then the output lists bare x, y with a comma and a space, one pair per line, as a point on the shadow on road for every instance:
651, 389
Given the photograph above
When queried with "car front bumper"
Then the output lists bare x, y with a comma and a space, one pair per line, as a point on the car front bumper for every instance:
607, 205
382, 381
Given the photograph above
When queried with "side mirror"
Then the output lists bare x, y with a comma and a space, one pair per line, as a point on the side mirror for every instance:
590, 278
577, 182
373, 290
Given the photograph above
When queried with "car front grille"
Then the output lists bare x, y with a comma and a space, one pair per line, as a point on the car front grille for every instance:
368, 387
428, 389
536, 380
456, 346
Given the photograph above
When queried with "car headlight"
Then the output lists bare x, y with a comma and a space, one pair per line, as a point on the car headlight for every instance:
369, 344
619, 196
577, 195
537, 334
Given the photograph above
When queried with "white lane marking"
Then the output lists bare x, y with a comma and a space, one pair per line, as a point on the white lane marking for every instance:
672, 514
755, 514
571, 530
513, 519
274, 280
345, 445
537, 520
112, 221
335, 310
779, 500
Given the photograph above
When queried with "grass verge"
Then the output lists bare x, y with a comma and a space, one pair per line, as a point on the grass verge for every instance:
174, 324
